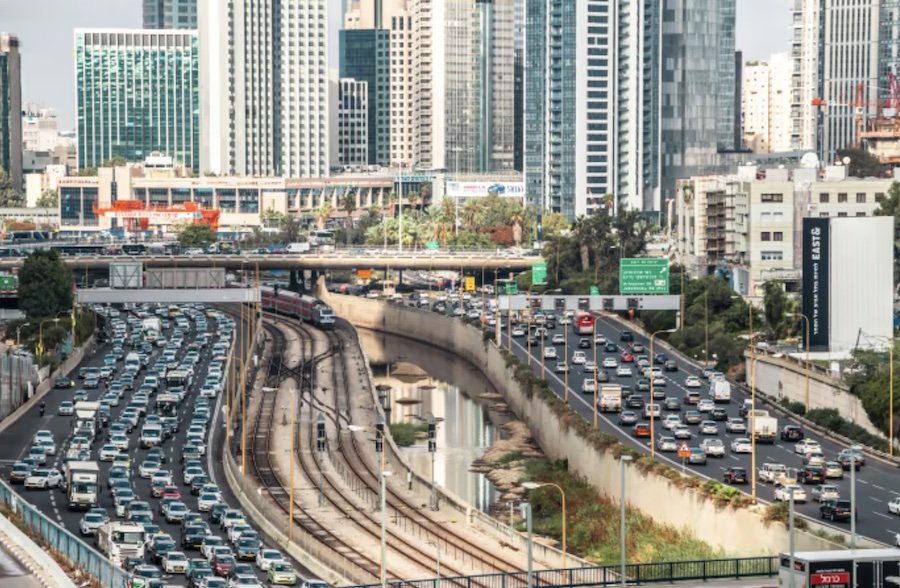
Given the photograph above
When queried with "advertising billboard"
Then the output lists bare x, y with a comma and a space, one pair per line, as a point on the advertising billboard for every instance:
815, 279
482, 189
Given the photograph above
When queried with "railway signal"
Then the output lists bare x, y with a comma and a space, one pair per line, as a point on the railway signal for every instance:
432, 448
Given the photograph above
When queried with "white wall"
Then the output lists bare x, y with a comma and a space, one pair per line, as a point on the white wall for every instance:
861, 280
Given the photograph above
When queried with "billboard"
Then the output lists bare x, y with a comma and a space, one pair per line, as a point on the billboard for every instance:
481, 189
816, 285
643, 275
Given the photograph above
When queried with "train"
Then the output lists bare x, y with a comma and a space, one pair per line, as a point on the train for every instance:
306, 308
583, 323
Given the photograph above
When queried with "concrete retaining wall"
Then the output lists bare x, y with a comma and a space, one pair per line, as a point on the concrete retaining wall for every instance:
30, 555
739, 532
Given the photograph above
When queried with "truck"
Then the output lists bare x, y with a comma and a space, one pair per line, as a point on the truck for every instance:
82, 484
152, 327
610, 397
765, 426
298, 248
720, 390
840, 568
120, 541
86, 421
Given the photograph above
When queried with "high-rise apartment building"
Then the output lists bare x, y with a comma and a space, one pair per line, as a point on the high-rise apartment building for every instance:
269, 104
353, 128
766, 104
623, 98
11, 108
137, 92
170, 14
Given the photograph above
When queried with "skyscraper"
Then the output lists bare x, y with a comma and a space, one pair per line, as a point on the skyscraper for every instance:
170, 14
622, 97
137, 92
766, 104
269, 104
353, 128
11, 109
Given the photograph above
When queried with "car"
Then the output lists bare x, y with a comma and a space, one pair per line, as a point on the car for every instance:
810, 474
693, 417
222, 564
628, 417
90, 522
713, 447
692, 382
206, 501
236, 531
681, 431
626, 336
281, 572
792, 433
63, 383
584, 343
91, 383
641, 430
610, 363
670, 365
561, 368
735, 425
623, 371
670, 421
626, 357
611, 347
660, 358
66, 408
706, 405
653, 410
815, 458
175, 512
589, 367
550, 353
666, 444
741, 445
835, 510
735, 475
806, 446
718, 414
697, 456
894, 506
43, 479
643, 385
159, 546
578, 358
246, 547
558, 339
709, 428
108, 452
518, 331
824, 492
848, 458
659, 382
266, 557
833, 470
175, 562
587, 386
692, 398
783, 493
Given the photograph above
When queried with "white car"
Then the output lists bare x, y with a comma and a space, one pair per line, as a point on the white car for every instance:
783, 493
562, 368
108, 452
709, 428
667, 444
43, 479
578, 358
550, 353
588, 386
741, 445
235, 532
828, 492
735, 425
599, 340
90, 522
175, 562
670, 421
692, 382
518, 332
266, 557
589, 367
807, 446
713, 447
120, 442
706, 405
610, 362
558, 339
894, 506
193, 472
623, 371
207, 500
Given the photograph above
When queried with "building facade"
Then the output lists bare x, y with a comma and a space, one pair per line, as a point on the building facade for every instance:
11, 109
269, 104
137, 92
353, 127
766, 104
170, 14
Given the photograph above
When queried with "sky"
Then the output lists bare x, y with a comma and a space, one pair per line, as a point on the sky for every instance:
44, 28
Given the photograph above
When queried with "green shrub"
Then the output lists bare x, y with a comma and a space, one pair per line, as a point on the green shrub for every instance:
831, 420
404, 434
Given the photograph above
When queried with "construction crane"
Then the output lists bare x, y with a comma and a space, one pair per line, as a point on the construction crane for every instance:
882, 107
139, 217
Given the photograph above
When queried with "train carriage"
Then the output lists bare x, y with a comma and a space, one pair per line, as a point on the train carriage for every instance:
306, 308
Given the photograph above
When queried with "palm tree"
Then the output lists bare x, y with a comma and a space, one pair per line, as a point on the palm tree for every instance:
414, 199
323, 213
470, 214
517, 218
348, 205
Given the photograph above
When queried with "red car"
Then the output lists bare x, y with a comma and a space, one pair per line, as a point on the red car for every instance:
222, 565
627, 357
641, 430
171, 492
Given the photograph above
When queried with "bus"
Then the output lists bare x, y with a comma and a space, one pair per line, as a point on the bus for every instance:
583, 323
319, 238
134, 249
167, 405
178, 379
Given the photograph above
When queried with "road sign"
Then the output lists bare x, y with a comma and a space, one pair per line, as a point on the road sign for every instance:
364, 274
509, 287
470, 283
684, 451
539, 273
595, 291
644, 275
431, 245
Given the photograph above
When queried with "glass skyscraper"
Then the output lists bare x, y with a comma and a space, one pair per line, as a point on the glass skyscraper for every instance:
11, 109
365, 57
137, 92
170, 14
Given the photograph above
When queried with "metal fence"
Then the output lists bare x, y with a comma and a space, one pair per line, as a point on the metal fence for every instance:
637, 574
56, 538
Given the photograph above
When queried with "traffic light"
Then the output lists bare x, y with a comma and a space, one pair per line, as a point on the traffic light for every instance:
584, 304
432, 435
320, 435
276, 290
609, 304
379, 436
634, 304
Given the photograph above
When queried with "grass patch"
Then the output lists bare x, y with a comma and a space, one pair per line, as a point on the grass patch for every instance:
404, 434
593, 522
509, 458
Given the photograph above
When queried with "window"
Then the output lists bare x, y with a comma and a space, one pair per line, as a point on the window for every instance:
765, 217
778, 236
860, 214
765, 236
842, 197
842, 214
771, 197
772, 255
824, 197
823, 215
860, 197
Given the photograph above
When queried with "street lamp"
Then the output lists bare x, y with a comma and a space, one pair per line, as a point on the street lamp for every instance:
753, 361
596, 367
19, 332
40, 345
652, 378
706, 327
806, 318
855, 449
526, 514
535, 486
625, 459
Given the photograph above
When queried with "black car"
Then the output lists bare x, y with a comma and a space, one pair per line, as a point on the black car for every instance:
811, 475
626, 336
611, 347
64, 383
792, 433
718, 414
584, 344
735, 475
193, 537
634, 401
835, 510
660, 358
215, 514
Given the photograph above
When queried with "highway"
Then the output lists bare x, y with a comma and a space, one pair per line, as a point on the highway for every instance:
15, 440
877, 482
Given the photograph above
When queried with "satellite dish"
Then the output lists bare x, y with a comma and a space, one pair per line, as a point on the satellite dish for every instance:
809, 160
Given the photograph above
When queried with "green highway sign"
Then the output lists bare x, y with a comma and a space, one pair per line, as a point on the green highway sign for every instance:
644, 275
510, 287
539, 274
595, 291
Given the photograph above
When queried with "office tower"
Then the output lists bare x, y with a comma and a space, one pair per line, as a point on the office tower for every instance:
624, 97
170, 14
353, 113
269, 96
11, 109
519, 86
137, 92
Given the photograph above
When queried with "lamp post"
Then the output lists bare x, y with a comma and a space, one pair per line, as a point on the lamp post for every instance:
806, 318
535, 486
437, 551
566, 359
321, 443
40, 345
625, 459
854, 449
19, 333
753, 361
891, 398
652, 378
526, 514
706, 328
596, 367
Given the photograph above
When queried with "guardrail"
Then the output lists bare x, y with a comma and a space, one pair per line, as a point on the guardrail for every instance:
74, 550
637, 574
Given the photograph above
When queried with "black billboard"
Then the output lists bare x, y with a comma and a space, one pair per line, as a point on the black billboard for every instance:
815, 281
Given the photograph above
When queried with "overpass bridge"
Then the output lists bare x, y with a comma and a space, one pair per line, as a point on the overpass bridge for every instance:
340, 260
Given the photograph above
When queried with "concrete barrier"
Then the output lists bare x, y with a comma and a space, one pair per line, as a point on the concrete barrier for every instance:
737, 531
29, 554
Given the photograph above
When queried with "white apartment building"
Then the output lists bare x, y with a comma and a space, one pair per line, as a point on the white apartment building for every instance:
269, 99
806, 33
766, 104
752, 226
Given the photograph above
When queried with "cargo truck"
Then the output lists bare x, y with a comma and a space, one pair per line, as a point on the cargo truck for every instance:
610, 397
845, 568
82, 484
720, 390
86, 421
152, 329
765, 427
121, 541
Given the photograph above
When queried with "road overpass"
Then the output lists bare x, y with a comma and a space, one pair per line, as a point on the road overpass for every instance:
358, 259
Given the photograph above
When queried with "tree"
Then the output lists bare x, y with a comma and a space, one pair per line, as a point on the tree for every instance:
323, 213
196, 235
889, 205
10, 197
862, 163
774, 306
48, 199
115, 161
554, 224
348, 204
45, 285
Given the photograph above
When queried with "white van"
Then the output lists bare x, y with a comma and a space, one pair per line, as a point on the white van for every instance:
151, 436
298, 248
133, 361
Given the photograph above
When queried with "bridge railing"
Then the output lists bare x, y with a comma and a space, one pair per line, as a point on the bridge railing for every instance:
609, 575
